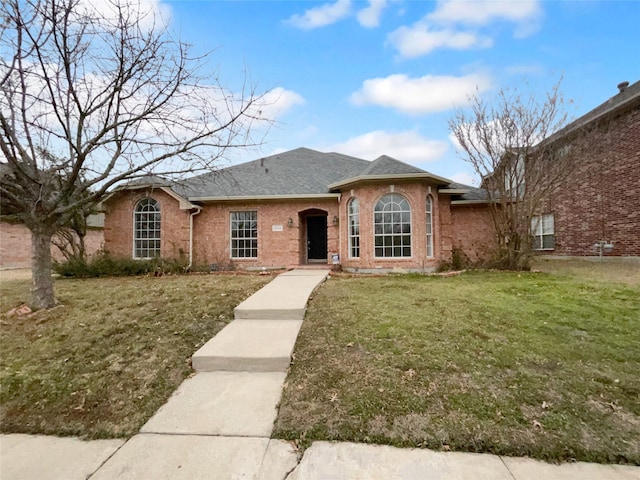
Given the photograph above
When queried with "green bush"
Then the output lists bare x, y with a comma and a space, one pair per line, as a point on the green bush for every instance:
104, 265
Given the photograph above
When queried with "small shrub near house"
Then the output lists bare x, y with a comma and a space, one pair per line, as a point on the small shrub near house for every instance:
104, 265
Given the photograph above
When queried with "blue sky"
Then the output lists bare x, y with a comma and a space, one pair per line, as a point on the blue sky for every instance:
376, 77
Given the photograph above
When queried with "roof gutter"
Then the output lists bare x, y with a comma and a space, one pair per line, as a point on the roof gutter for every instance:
311, 196
399, 176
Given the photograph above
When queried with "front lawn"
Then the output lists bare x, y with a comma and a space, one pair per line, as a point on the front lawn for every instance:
100, 364
515, 364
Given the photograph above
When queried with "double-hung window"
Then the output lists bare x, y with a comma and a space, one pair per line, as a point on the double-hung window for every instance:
543, 232
244, 234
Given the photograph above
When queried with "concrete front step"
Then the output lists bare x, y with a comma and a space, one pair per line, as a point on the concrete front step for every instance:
249, 346
285, 298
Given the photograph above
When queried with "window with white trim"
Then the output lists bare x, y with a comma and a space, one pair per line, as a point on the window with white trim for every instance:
392, 227
429, 226
244, 234
146, 229
354, 228
543, 232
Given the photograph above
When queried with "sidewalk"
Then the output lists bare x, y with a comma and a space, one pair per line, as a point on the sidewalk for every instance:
218, 423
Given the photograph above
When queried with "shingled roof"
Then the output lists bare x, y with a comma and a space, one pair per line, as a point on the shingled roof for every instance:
299, 173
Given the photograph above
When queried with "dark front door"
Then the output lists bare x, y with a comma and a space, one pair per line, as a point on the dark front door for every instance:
317, 238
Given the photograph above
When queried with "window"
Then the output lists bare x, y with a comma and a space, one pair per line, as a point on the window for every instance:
543, 232
354, 228
392, 226
244, 234
146, 229
429, 226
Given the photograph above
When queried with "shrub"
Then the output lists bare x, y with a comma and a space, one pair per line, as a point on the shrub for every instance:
104, 265
459, 261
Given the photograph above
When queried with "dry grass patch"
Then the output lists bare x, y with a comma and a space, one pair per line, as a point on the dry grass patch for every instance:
514, 364
609, 269
100, 364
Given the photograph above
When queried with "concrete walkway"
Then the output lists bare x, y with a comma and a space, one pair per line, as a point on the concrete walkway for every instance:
217, 425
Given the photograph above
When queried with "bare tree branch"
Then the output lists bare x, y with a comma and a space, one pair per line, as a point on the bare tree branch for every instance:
90, 98
509, 142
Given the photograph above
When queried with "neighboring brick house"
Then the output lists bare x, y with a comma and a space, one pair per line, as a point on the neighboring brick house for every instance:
599, 203
15, 242
297, 208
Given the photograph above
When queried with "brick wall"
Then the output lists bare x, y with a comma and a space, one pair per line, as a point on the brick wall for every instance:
277, 247
118, 224
416, 194
473, 231
601, 198
281, 245
15, 245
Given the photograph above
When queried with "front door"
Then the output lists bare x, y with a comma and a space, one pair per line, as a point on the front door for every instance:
317, 239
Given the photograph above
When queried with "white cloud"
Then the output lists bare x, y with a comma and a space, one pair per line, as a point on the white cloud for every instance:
321, 16
408, 146
430, 93
484, 12
465, 178
369, 17
278, 101
421, 39
525, 69
151, 13
442, 27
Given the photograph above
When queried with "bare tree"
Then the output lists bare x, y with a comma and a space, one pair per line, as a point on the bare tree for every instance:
91, 96
512, 142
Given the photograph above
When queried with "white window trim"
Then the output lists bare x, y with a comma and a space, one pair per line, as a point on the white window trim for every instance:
232, 238
410, 234
537, 230
429, 225
351, 216
135, 229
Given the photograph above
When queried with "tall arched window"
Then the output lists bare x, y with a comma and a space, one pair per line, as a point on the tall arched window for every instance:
429, 226
146, 229
354, 228
392, 226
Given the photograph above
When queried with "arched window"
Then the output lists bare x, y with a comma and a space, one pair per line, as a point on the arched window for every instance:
429, 226
392, 226
146, 229
354, 228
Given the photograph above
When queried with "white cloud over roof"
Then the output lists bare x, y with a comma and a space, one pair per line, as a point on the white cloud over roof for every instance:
408, 146
431, 93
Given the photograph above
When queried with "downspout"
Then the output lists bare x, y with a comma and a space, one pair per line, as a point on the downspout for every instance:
191, 215
340, 229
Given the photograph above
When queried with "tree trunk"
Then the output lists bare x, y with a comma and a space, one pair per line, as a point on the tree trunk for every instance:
42, 284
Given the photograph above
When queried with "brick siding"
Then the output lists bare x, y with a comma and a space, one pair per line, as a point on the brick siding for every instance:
601, 198
473, 231
281, 245
118, 224
15, 245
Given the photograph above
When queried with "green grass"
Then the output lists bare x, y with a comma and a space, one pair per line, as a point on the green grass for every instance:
100, 364
514, 364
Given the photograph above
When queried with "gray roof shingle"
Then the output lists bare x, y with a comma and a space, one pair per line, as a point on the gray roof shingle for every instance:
297, 172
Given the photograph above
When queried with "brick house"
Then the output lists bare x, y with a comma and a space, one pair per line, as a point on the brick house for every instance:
599, 204
306, 207
298, 208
